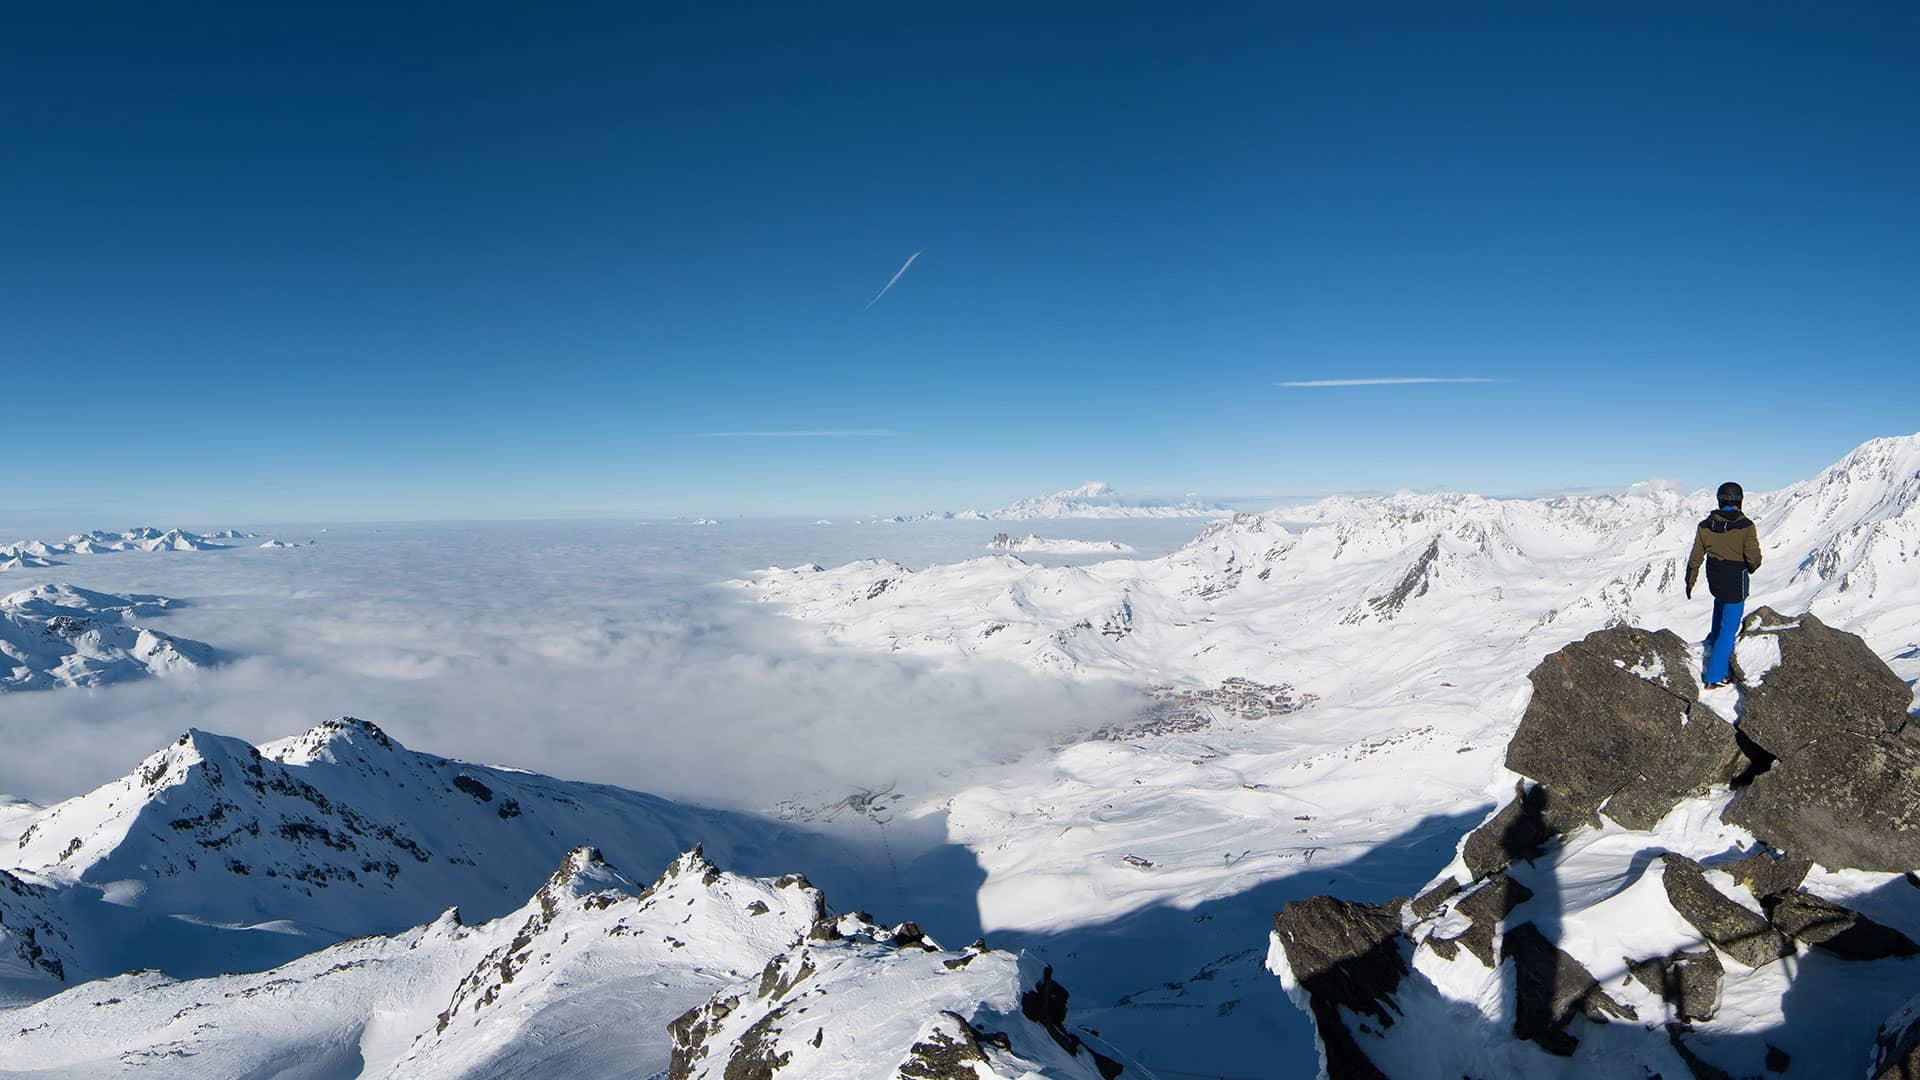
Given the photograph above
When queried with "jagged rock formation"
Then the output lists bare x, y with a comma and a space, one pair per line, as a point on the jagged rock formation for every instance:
65, 636
856, 998
583, 978
1656, 862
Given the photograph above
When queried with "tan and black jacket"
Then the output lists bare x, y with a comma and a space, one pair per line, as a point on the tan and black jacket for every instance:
1730, 546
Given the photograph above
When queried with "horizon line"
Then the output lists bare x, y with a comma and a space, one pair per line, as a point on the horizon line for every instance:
830, 433
1412, 380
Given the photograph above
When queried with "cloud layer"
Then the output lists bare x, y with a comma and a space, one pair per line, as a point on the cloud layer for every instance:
595, 652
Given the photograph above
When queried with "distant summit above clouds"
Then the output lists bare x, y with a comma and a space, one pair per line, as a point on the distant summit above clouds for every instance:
65, 636
1093, 499
35, 553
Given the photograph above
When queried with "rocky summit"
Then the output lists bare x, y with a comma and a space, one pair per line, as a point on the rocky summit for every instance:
1685, 883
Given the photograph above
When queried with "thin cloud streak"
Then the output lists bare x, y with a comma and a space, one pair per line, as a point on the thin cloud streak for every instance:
1303, 384
897, 275
851, 433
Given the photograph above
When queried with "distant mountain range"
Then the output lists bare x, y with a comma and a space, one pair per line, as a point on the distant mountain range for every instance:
1090, 500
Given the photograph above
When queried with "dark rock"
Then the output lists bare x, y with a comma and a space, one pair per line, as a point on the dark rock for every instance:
1828, 682
1046, 1005
1850, 801
1778, 1060
1605, 737
1740, 933
1896, 1050
942, 1056
1839, 930
1522, 828
1487, 903
1430, 901
1345, 956
1766, 872
1688, 981
1550, 989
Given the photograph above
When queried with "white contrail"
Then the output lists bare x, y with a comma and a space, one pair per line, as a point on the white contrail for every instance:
1307, 383
890, 281
840, 433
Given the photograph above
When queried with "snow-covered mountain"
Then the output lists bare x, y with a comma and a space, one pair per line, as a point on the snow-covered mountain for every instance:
1281, 589
62, 636
1400, 628
216, 852
1040, 545
143, 538
589, 975
1089, 500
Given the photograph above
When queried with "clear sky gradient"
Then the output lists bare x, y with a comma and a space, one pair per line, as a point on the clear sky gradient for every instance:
496, 262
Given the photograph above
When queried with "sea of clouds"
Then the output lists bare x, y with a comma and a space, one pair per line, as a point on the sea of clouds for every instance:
608, 652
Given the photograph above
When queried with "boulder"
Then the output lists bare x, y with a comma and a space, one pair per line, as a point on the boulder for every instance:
1740, 933
1896, 1050
1766, 872
1688, 981
1827, 682
1849, 801
1344, 955
1483, 906
1615, 724
1839, 930
1522, 828
1550, 989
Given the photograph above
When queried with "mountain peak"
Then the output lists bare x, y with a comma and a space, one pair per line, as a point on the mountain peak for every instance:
337, 741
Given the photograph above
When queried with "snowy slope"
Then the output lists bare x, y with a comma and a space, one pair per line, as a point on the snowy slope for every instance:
64, 636
589, 971
587, 978
1411, 619
216, 850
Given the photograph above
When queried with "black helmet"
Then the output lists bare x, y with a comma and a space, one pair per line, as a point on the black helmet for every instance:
1729, 494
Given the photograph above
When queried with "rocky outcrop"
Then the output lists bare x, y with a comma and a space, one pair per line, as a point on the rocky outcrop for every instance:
1826, 682
1736, 930
1550, 989
1845, 791
1521, 830
1835, 928
857, 998
1615, 734
1615, 724
1343, 955
1688, 981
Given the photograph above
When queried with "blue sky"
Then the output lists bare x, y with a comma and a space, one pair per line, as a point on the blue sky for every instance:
507, 263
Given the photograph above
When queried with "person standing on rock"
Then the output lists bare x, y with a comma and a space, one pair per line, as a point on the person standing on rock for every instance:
1730, 546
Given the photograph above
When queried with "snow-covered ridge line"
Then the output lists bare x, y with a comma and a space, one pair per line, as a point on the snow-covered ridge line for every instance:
39, 553
65, 636
335, 832
1090, 500
1292, 592
1048, 546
